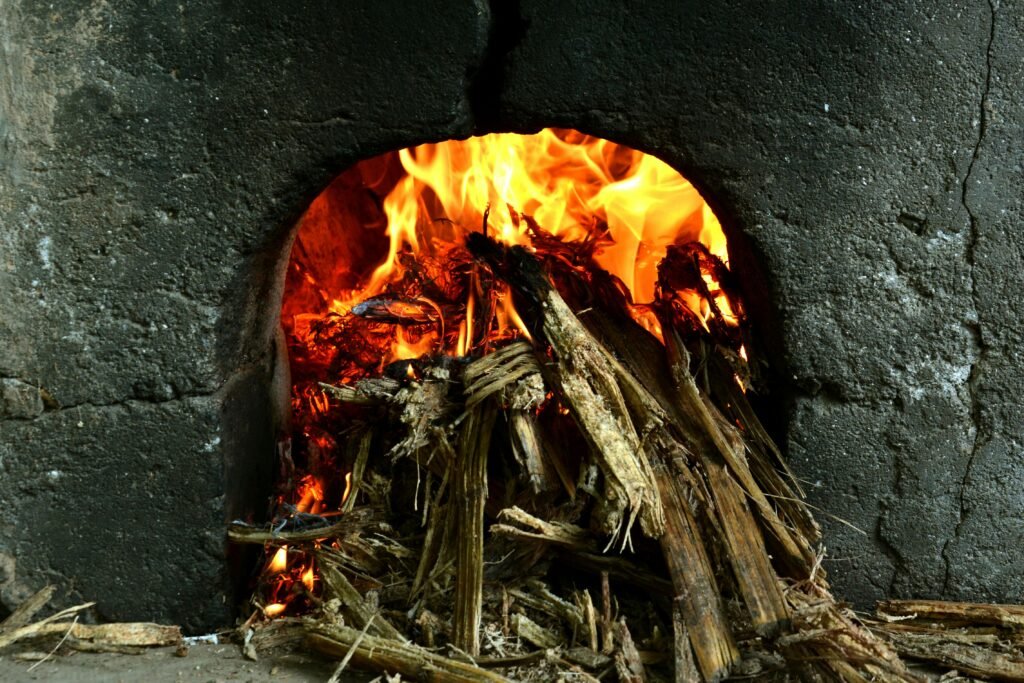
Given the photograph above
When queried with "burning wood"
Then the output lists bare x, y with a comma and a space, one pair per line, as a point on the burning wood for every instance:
550, 464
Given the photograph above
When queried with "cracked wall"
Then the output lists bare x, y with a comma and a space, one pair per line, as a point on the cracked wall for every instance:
867, 163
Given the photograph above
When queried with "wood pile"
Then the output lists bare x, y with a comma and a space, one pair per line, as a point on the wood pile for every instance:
591, 504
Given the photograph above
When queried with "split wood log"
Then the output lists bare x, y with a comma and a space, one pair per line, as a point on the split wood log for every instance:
385, 656
684, 669
469, 497
974, 655
534, 633
589, 388
697, 596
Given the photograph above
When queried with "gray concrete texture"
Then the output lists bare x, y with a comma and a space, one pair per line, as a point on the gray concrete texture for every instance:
867, 161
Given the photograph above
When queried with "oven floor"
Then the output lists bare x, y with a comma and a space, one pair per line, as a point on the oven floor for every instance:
204, 664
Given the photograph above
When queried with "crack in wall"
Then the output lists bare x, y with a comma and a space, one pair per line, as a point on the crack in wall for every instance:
972, 242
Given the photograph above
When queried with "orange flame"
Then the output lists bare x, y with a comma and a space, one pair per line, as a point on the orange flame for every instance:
308, 578
575, 186
274, 609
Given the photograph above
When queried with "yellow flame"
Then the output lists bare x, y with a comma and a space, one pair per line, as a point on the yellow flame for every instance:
279, 562
274, 609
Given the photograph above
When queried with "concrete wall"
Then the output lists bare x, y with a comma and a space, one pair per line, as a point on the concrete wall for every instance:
866, 159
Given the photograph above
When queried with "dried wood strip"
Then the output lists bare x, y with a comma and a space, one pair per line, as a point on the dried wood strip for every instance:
24, 612
1006, 616
528, 451
385, 656
697, 594
684, 669
353, 605
102, 636
359, 469
627, 660
243, 533
558, 533
469, 497
958, 651
365, 392
757, 581
8, 637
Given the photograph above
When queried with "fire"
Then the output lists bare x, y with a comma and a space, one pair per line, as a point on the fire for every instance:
380, 273
408, 213
280, 561
308, 578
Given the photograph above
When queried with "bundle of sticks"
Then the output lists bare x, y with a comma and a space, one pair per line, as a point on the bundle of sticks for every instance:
590, 502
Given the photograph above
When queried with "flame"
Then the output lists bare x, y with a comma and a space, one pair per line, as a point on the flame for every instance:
379, 273
308, 577
348, 488
350, 249
279, 563
310, 493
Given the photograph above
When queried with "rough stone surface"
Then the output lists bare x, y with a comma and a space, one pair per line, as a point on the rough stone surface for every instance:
867, 163
152, 159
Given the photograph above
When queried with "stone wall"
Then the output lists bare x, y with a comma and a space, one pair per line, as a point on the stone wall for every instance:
867, 163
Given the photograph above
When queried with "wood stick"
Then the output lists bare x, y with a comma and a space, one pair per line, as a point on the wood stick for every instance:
757, 581
382, 655
534, 633
961, 613
24, 612
696, 590
627, 660
799, 554
469, 497
685, 669
354, 607
7, 637
101, 636
957, 651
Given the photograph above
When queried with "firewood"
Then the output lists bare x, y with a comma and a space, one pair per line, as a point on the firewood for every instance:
534, 633
799, 554
627, 660
469, 496
353, 605
971, 654
385, 656
590, 390
24, 612
697, 595
757, 581
955, 613
685, 669
99, 637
